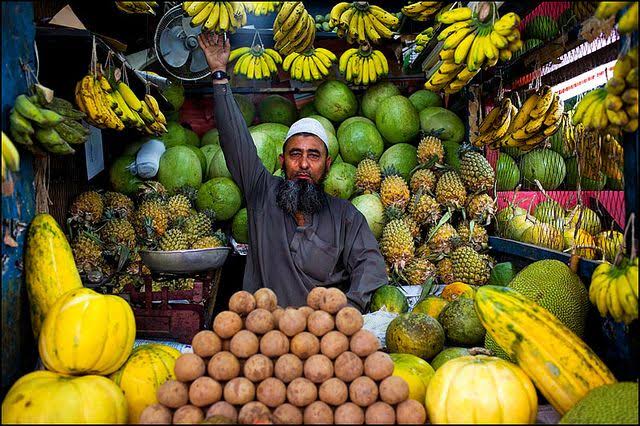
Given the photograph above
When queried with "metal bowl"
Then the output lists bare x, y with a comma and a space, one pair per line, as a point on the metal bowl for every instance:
185, 261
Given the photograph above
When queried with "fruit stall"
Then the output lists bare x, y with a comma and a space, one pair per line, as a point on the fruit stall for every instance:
491, 148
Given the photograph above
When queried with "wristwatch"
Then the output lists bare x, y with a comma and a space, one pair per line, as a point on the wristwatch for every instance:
219, 75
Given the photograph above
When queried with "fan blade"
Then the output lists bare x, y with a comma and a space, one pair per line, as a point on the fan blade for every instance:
188, 29
172, 47
198, 61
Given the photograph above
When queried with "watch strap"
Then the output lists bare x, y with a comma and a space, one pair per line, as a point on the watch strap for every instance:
219, 75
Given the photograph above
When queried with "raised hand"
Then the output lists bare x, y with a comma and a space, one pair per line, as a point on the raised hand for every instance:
216, 50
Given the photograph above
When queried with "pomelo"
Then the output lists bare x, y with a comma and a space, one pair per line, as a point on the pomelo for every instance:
176, 135
544, 165
360, 140
221, 195
247, 108
121, 179
375, 95
340, 181
402, 156
201, 157
191, 137
335, 101
442, 123
209, 151
277, 131
507, 173
338, 160
218, 166
211, 137
174, 93
350, 120
373, 211
397, 119
277, 109
239, 228
307, 110
422, 99
179, 166
266, 148
328, 126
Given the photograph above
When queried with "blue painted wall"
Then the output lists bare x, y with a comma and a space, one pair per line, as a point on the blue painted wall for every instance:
18, 346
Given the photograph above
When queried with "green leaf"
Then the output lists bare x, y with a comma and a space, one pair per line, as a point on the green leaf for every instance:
502, 274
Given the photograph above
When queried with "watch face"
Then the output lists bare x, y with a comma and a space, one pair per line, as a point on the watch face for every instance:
220, 75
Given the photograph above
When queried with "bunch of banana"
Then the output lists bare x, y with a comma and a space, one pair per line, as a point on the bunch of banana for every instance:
362, 22
628, 18
260, 8
255, 62
422, 10
612, 155
363, 65
313, 65
133, 7
10, 156
218, 16
423, 38
496, 124
621, 102
614, 290
294, 30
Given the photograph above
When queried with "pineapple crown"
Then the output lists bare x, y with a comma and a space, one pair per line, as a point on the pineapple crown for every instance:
188, 191
152, 190
210, 213
219, 234
390, 171
393, 213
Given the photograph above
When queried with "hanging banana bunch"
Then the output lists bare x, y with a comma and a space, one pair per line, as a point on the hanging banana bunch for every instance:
256, 62
217, 16
626, 13
363, 65
495, 125
423, 38
260, 8
294, 30
313, 65
137, 7
422, 10
10, 156
362, 22
614, 289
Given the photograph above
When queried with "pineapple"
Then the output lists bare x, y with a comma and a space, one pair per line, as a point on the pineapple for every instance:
173, 239
196, 226
124, 280
469, 267
368, 176
152, 191
151, 220
136, 266
87, 252
423, 180
394, 192
450, 190
443, 239
423, 250
477, 240
428, 148
418, 271
207, 242
88, 207
396, 244
445, 271
118, 232
480, 208
413, 226
188, 191
424, 209
180, 207
118, 205
476, 172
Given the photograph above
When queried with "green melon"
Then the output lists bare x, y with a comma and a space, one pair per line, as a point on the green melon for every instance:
266, 148
397, 120
550, 211
375, 95
121, 179
402, 156
239, 228
328, 126
307, 110
544, 165
221, 195
247, 108
350, 120
174, 93
415, 334
335, 101
179, 166
390, 299
461, 323
340, 181
218, 166
541, 27
277, 132
338, 160
277, 109
334, 146
211, 137
209, 151
176, 135
359, 141
371, 208
586, 184
442, 123
201, 156
507, 173
558, 144
512, 151
192, 137
422, 99
447, 355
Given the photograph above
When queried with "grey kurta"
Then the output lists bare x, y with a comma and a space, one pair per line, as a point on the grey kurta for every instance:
336, 249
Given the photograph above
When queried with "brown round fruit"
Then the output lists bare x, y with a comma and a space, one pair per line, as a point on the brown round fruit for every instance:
292, 322
244, 344
318, 368
320, 323
349, 320
189, 367
226, 324
288, 367
410, 412
259, 321
224, 409
348, 366
394, 389
314, 298
271, 392
254, 412
333, 344
380, 413
242, 302
287, 414
306, 310
364, 343
204, 391
273, 344
333, 391
333, 300
363, 391
266, 299
258, 368
173, 394
304, 345
223, 366
378, 366
348, 414
239, 391
187, 414
301, 392
277, 314
155, 414
318, 413
206, 343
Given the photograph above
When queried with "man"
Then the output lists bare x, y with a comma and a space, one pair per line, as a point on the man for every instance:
299, 237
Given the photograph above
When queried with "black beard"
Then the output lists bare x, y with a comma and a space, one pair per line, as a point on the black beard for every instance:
300, 195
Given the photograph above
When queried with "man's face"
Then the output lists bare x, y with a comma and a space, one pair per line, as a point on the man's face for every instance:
305, 157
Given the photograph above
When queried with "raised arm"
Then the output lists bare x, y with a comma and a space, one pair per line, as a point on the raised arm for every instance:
236, 141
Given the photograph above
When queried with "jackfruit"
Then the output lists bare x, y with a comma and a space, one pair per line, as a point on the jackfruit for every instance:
608, 404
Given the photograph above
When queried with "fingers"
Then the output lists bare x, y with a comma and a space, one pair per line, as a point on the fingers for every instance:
202, 41
227, 44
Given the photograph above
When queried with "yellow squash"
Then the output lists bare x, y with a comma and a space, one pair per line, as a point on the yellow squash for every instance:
50, 270
560, 364
147, 368
47, 397
481, 389
87, 333
415, 371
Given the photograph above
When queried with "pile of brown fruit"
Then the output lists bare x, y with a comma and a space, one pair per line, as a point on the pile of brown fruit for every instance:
267, 364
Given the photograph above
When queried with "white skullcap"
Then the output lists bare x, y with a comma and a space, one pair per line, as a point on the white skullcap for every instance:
308, 125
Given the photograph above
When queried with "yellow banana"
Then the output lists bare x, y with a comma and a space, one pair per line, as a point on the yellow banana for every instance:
236, 53
523, 114
129, 97
336, 12
326, 61
461, 51
313, 68
455, 38
271, 64
202, 16
384, 17
322, 69
274, 55
487, 123
10, 154
370, 30
455, 15
629, 20
344, 59
286, 10
294, 17
380, 27
453, 28
288, 60
583, 105
194, 7
383, 61
244, 66
329, 54
212, 19
498, 40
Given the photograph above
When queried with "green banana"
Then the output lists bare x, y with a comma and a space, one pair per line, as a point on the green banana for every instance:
69, 134
53, 142
28, 110
65, 109
77, 126
52, 118
19, 123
